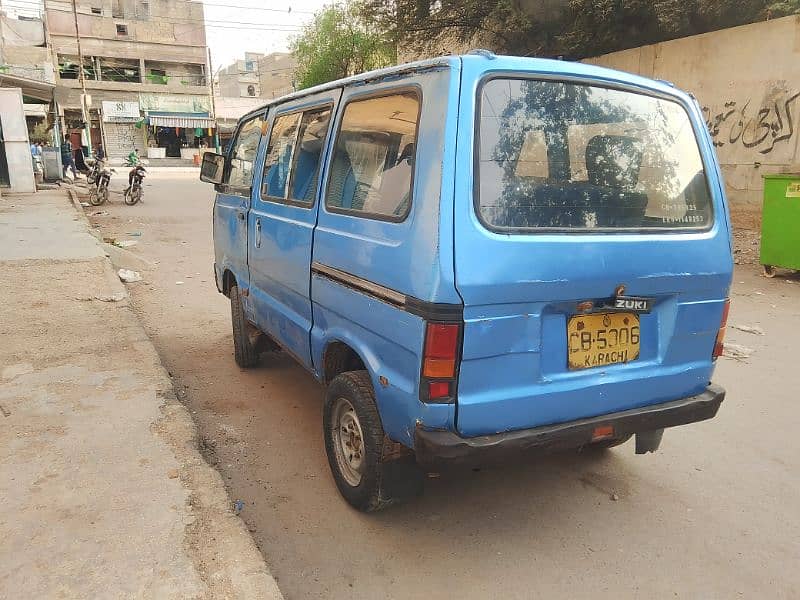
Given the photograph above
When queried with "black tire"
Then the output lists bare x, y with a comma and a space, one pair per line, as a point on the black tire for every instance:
95, 198
245, 351
131, 197
385, 477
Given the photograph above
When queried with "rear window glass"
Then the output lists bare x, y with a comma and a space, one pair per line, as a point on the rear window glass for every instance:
555, 155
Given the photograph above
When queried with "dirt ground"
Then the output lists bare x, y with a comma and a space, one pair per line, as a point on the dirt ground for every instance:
712, 515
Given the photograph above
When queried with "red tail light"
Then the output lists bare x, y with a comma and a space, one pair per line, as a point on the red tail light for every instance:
719, 344
441, 346
440, 361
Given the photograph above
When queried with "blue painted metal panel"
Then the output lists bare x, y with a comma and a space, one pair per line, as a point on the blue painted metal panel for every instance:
279, 254
413, 257
230, 233
389, 342
518, 292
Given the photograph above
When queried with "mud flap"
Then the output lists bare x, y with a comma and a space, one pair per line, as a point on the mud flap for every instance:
648, 441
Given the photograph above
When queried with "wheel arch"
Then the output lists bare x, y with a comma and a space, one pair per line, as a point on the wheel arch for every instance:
338, 357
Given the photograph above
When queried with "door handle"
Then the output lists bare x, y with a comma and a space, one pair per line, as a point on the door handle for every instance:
240, 216
258, 233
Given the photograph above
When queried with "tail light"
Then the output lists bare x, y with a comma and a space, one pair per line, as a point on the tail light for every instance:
440, 362
719, 343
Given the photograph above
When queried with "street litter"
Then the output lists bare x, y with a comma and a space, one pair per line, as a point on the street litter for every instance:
85, 204
749, 329
129, 276
125, 243
737, 351
99, 213
238, 506
178, 283
134, 233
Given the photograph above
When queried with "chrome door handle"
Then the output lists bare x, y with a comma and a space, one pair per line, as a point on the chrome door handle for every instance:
258, 233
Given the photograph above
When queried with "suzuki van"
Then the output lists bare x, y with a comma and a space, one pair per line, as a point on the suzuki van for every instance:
479, 257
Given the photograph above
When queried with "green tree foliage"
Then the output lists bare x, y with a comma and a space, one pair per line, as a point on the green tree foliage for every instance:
339, 43
570, 28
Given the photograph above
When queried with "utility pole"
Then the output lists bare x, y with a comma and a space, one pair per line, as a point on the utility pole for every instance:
84, 109
210, 76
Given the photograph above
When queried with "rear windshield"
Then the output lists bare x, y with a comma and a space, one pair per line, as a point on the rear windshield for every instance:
555, 155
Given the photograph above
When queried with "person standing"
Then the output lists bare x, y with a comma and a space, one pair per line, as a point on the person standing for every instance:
67, 160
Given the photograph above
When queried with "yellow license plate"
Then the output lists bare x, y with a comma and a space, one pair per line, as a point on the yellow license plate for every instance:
598, 340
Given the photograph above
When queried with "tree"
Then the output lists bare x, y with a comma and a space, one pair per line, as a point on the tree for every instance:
571, 28
339, 43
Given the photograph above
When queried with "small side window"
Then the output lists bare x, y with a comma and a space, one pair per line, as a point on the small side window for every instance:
291, 167
373, 161
243, 154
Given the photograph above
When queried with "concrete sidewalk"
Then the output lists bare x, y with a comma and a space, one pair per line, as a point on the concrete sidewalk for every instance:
105, 494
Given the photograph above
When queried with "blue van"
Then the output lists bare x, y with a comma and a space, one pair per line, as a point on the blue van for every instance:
478, 256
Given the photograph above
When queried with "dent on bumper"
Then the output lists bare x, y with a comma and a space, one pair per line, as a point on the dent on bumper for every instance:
447, 446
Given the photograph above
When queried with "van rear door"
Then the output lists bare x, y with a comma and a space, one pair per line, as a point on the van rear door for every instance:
592, 252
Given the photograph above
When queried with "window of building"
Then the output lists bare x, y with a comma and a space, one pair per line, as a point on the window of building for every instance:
373, 161
117, 11
122, 29
291, 167
144, 10
249, 66
97, 11
243, 155
158, 76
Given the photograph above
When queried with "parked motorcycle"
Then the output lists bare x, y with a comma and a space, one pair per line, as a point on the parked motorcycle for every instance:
135, 190
98, 178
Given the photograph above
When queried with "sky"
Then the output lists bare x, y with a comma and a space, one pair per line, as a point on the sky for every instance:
234, 27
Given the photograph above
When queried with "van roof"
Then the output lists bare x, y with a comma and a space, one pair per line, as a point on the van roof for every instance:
493, 63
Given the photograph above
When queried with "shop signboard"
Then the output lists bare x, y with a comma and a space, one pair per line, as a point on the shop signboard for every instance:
174, 103
120, 112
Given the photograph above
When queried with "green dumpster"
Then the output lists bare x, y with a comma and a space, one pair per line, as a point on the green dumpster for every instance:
780, 223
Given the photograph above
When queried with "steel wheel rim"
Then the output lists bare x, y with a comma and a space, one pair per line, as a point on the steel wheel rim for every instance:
348, 441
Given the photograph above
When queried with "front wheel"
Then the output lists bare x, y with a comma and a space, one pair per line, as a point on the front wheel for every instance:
244, 346
358, 448
95, 197
132, 196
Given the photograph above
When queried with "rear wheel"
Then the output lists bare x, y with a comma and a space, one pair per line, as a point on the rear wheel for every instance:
769, 271
244, 346
369, 473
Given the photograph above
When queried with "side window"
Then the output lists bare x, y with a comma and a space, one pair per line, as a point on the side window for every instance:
373, 161
243, 153
291, 168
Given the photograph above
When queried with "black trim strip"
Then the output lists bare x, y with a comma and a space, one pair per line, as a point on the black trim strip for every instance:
430, 311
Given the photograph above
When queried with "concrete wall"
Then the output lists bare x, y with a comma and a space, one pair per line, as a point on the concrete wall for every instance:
16, 144
747, 80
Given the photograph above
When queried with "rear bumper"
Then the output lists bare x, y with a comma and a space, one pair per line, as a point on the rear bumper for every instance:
446, 446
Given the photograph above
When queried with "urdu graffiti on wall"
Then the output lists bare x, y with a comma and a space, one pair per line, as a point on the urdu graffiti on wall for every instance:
760, 128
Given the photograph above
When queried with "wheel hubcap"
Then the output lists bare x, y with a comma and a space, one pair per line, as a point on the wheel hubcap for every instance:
348, 441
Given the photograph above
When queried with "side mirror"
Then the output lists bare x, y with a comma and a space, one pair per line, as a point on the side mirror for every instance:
212, 168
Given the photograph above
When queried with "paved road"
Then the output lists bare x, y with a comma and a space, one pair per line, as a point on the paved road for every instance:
715, 514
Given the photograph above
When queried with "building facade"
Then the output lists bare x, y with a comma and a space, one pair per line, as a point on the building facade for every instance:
276, 74
241, 79
145, 71
257, 76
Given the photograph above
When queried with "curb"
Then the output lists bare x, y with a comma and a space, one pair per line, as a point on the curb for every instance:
217, 540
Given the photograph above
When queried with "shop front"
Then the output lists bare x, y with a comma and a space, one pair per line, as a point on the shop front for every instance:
123, 128
178, 126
